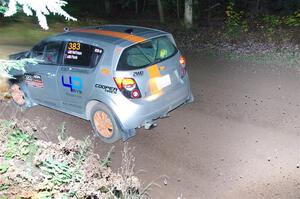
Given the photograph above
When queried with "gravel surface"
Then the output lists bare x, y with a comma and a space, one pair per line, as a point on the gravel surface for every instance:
239, 139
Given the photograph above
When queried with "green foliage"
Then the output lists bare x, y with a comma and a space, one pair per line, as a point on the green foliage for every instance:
292, 20
44, 195
234, 23
3, 9
270, 24
62, 134
59, 173
107, 160
4, 167
20, 145
3, 6
3, 187
83, 152
271, 20
69, 169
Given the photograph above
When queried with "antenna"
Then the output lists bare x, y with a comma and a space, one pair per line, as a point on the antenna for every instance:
66, 29
130, 30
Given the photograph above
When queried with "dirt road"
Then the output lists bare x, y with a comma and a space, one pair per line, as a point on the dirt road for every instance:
239, 139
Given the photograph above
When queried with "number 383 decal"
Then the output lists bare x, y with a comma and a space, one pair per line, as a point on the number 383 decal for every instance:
73, 46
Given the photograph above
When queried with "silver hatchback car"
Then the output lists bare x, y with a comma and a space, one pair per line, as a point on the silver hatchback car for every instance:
117, 76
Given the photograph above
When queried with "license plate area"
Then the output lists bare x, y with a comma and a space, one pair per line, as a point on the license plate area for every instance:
163, 82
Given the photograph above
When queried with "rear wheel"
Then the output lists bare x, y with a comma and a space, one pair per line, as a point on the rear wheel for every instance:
104, 123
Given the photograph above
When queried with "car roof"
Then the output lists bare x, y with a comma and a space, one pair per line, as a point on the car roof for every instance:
115, 35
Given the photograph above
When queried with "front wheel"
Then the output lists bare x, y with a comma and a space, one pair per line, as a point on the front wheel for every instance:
19, 96
104, 123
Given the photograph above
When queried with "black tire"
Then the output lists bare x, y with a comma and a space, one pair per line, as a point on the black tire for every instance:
115, 133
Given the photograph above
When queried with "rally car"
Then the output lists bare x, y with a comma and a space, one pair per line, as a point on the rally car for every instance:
118, 77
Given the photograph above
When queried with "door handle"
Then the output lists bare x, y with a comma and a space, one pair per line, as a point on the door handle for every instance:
66, 69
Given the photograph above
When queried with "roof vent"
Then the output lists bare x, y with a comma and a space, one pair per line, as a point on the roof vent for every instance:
129, 31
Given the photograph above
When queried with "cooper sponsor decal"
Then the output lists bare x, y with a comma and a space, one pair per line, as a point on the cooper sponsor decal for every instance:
34, 81
72, 82
107, 89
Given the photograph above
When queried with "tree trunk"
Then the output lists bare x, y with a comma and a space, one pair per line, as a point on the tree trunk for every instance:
178, 8
257, 7
144, 5
160, 11
136, 7
188, 13
107, 7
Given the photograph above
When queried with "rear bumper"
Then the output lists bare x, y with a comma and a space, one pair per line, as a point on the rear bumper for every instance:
134, 114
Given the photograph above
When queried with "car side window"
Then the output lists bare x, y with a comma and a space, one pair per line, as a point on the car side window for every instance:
82, 55
47, 52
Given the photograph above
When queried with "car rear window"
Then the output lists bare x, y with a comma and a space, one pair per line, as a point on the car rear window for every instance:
146, 53
81, 55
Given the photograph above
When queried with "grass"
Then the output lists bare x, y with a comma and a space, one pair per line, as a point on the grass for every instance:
22, 34
24, 31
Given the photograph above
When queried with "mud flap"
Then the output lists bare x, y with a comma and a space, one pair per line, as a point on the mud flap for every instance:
127, 134
190, 99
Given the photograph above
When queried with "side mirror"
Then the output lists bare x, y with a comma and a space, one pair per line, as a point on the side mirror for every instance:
27, 54
21, 55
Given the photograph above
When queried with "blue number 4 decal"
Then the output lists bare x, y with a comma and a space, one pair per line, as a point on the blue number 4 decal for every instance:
75, 83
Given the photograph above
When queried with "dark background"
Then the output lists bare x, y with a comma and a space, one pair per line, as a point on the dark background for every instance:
205, 12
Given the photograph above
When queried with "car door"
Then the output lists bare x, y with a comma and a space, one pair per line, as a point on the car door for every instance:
77, 75
40, 77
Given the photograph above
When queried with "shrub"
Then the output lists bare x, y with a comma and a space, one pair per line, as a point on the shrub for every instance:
292, 20
33, 168
234, 23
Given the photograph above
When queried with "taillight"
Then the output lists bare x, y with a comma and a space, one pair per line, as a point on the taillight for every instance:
182, 60
128, 87
182, 66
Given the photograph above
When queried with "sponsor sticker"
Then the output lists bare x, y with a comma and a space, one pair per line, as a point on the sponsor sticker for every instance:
34, 81
107, 89
74, 83
105, 71
98, 50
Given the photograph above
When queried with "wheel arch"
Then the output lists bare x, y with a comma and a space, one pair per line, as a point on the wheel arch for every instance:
126, 133
16, 79
93, 102
89, 107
